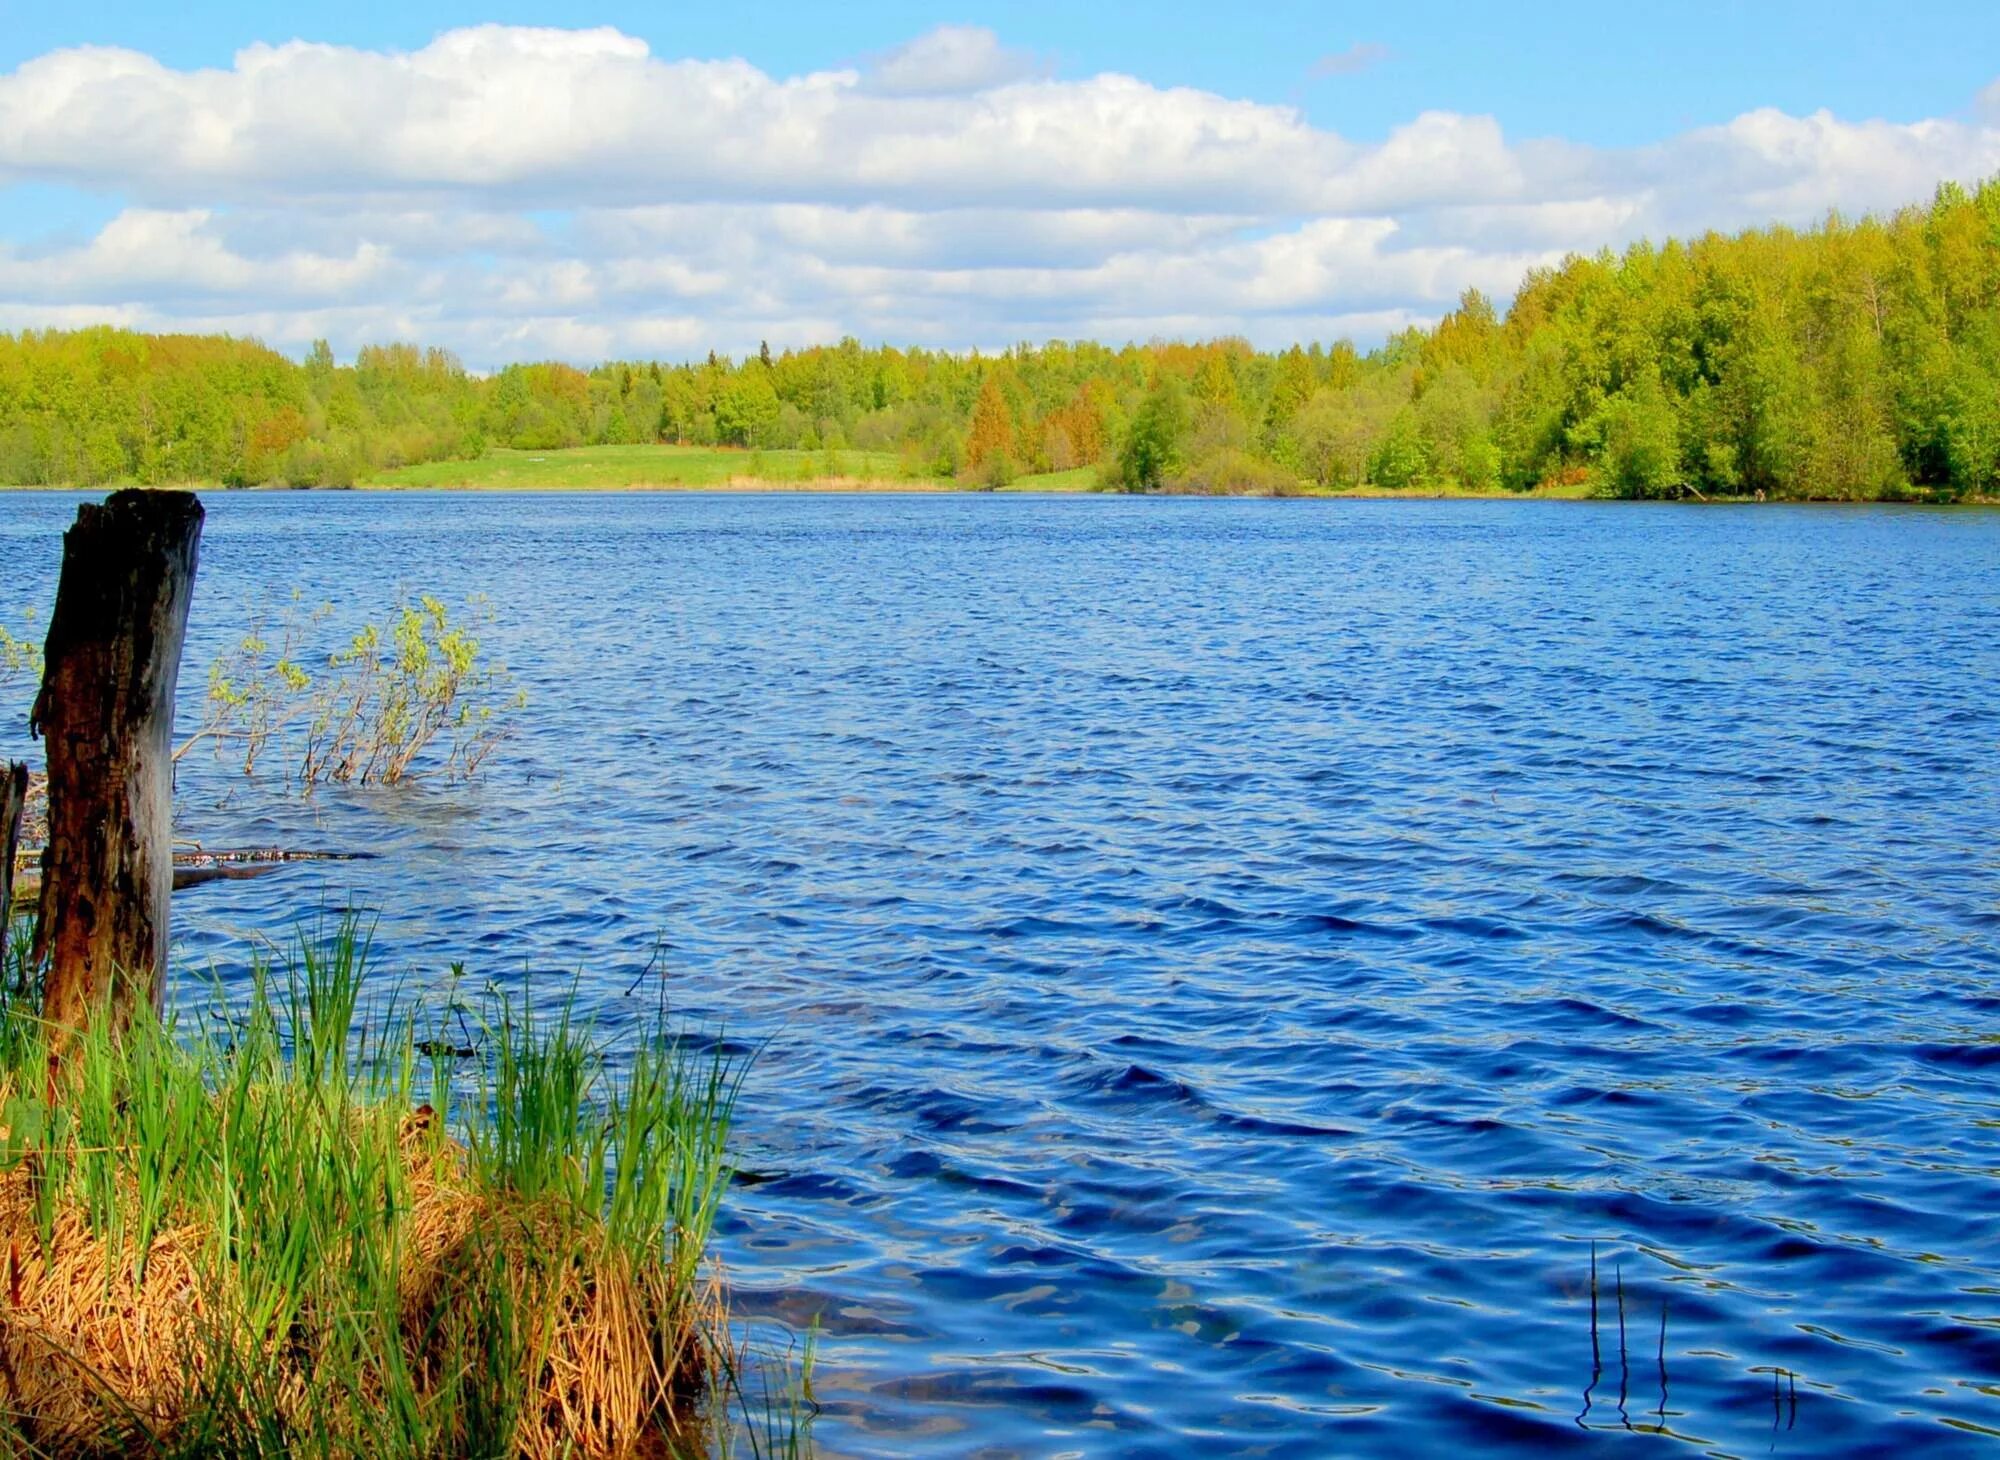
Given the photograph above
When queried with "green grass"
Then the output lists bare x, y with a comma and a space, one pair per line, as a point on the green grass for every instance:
611, 468
722, 468
321, 1225
1076, 479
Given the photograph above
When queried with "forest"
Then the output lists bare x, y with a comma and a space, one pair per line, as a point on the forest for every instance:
1856, 360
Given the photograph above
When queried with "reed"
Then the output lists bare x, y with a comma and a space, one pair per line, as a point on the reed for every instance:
287, 1231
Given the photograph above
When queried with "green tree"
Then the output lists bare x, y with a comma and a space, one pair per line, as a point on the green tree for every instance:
1641, 443
1155, 444
746, 411
1399, 460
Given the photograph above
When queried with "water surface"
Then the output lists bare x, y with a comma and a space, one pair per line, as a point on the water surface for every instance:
1224, 966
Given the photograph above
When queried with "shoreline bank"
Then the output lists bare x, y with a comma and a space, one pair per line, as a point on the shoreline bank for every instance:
841, 486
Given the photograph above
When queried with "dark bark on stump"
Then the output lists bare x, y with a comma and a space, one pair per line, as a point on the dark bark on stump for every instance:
107, 707
13, 801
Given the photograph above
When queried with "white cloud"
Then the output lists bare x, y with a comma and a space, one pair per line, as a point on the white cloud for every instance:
147, 253
951, 60
511, 191
567, 118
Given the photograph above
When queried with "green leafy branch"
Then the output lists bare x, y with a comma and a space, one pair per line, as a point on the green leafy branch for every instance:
415, 697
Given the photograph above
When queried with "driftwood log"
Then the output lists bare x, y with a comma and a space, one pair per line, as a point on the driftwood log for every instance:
194, 869
112, 661
13, 801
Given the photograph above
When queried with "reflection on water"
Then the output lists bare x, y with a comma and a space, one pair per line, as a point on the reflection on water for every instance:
1220, 966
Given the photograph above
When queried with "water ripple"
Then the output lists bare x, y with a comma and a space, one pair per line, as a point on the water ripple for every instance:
1256, 978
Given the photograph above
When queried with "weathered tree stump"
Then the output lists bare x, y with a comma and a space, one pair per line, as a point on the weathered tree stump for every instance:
13, 801
112, 661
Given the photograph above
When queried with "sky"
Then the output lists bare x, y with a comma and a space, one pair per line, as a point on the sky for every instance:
596, 180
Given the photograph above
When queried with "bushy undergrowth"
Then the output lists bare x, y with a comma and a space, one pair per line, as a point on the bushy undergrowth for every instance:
317, 1226
1236, 473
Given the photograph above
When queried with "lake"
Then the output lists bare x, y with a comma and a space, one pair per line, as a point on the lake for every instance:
1222, 969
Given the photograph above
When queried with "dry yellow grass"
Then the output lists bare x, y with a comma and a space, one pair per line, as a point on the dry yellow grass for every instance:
102, 1356
257, 1247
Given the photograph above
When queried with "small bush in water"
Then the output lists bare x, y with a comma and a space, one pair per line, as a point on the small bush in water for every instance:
417, 696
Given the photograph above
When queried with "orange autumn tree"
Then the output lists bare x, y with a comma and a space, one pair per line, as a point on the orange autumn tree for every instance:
990, 456
1078, 434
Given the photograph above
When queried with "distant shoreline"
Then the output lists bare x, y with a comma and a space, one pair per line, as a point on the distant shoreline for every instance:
858, 487
742, 486
1067, 485
661, 467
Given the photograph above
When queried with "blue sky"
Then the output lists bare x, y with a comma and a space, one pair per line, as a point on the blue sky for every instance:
1335, 168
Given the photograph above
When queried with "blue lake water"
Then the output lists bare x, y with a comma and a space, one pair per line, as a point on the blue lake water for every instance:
1222, 965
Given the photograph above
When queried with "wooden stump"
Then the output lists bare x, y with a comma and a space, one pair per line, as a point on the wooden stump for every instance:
13, 801
112, 661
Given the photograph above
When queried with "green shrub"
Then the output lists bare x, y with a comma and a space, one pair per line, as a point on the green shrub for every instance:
1238, 473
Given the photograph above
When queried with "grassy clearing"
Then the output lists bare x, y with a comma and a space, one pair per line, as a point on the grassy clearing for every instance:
614, 468
322, 1227
709, 468
1076, 479
733, 469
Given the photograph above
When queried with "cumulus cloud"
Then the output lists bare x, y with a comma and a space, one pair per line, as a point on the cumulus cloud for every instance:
179, 255
517, 191
591, 117
951, 60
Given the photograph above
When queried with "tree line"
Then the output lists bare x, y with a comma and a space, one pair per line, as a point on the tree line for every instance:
1855, 360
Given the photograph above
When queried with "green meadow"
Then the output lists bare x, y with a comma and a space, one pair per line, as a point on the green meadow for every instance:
707, 468
612, 468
